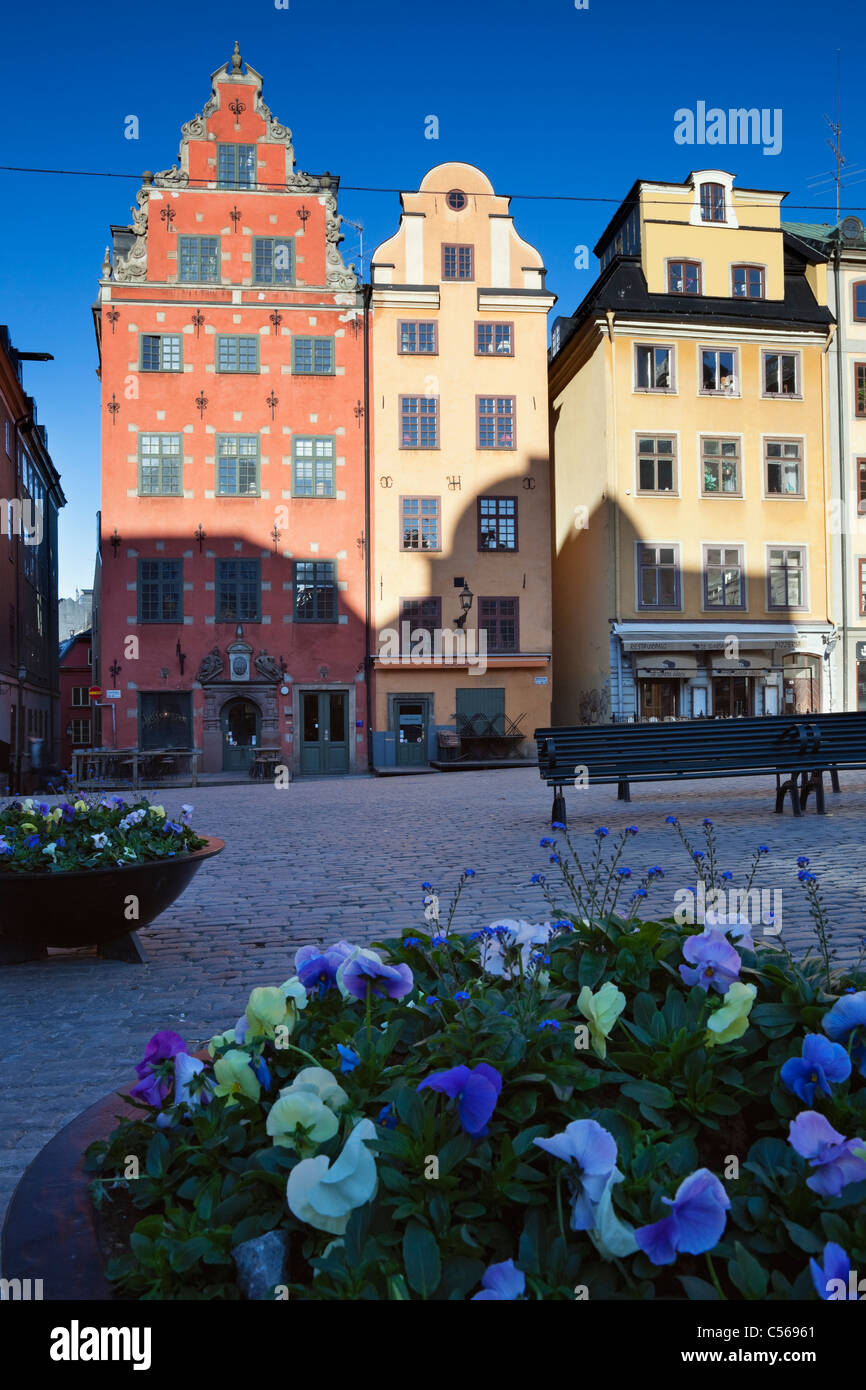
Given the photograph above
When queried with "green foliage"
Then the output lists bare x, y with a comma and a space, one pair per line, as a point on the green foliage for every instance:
449, 1204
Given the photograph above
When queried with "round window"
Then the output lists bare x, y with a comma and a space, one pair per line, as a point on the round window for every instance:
456, 200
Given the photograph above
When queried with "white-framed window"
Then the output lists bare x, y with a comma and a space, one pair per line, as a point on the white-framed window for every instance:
786, 577
656, 463
784, 468
719, 371
780, 374
654, 367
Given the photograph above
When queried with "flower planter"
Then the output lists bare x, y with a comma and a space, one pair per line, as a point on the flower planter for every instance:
82, 907
50, 1229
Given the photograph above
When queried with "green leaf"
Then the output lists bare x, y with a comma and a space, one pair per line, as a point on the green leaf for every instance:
747, 1274
453, 1151
421, 1259
157, 1156
723, 1105
803, 1239
460, 1273
698, 1290
650, 1093
590, 969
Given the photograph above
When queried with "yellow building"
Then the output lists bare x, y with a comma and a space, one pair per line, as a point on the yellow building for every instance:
688, 398
460, 572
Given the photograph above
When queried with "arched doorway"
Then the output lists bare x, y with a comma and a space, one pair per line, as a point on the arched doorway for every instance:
241, 724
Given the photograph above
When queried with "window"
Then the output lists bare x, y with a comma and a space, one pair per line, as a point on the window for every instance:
860, 389
719, 371
315, 591
419, 523
81, 695
494, 339
273, 260
783, 460
456, 200
861, 564
786, 577
497, 523
720, 467
712, 202
418, 336
160, 591
236, 166
498, 618
237, 354
496, 422
458, 262
653, 368
81, 731
313, 356
165, 719
656, 463
200, 258
237, 465
238, 591
313, 467
747, 281
160, 352
422, 615
684, 277
723, 576
419, 422
658, 576
160, 465
781, 373
861, 485
859, 292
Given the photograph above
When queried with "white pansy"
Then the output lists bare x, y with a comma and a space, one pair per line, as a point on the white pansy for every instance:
519, 934
324, 1195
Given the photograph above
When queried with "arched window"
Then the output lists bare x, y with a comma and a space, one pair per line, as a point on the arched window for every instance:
712, 202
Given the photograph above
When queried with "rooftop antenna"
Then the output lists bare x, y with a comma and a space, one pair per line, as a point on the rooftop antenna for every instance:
839, 160
359, 228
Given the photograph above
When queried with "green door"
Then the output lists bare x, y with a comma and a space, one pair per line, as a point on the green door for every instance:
241, 729
324, 734
411, 741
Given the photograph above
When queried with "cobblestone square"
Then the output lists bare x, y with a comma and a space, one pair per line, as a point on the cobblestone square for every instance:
345, 857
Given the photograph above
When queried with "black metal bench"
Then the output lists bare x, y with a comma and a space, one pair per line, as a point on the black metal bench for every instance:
797, 750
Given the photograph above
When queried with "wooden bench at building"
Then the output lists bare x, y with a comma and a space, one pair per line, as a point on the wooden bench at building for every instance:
797, 750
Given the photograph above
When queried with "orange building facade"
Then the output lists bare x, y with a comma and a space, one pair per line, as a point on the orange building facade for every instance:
230, 605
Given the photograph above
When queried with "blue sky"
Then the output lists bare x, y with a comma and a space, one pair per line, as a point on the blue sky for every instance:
545, 98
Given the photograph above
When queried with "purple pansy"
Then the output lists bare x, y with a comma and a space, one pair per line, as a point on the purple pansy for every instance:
847, 1017
837, 1265
822, 1063
696, 1222
590, 1152
716, 962
367, 972
475, 1091
150, 1088
830, 1154
503, 1282
318, 969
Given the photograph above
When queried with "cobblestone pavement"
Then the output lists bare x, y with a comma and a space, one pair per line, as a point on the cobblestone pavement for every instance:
346, 858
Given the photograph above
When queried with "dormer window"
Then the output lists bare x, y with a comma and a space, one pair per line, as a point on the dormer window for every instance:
236, 166
712, 202
684, 277
747, 281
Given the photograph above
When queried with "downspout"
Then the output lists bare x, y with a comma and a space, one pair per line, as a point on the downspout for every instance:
843, 549
613, 502
829, 551
368, 659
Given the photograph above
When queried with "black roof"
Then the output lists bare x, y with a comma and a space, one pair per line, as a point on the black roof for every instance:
621, 287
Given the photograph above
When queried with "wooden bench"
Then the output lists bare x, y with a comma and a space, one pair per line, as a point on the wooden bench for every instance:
796, 749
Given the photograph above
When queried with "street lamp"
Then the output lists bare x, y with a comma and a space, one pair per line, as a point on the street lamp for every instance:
466, 596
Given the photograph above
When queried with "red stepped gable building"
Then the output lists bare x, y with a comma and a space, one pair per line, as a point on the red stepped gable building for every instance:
230, 604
